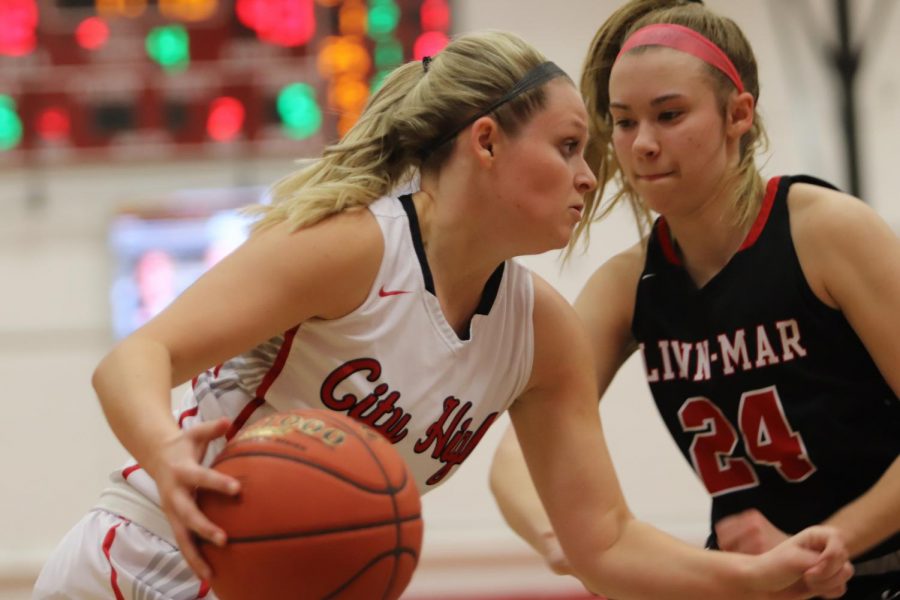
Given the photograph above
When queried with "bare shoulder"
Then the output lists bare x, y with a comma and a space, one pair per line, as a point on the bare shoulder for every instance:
621, 271
560, 344
827, 227
341, 254
819, 211
612, 287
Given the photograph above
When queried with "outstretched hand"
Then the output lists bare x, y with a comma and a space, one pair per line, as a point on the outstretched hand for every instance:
178, 474
812, 563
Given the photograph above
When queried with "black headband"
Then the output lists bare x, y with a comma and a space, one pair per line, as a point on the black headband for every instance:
537, 76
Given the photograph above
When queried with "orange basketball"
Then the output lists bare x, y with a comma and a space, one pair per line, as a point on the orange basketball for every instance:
327, 509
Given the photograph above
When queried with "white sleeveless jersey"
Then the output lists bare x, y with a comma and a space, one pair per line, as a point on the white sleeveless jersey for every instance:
394, 363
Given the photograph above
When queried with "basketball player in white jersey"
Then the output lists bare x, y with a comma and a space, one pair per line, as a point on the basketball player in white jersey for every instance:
409, 314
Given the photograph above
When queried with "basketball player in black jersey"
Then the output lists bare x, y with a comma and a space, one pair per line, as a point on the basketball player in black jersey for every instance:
766, 312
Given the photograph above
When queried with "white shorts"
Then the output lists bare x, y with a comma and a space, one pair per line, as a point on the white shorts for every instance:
106, 556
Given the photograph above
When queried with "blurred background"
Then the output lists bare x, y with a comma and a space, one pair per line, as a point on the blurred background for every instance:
131, 130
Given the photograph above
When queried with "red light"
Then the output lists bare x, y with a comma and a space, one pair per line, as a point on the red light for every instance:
435, 15
429, 44
92, 33
281, 22
226, 119
53, 123
18, 21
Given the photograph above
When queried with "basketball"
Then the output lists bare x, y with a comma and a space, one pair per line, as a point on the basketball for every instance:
327, 509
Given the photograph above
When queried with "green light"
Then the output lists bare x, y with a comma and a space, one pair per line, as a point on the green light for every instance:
388, 53
383, 17
299, 111
10, 124
169, 45
378, 79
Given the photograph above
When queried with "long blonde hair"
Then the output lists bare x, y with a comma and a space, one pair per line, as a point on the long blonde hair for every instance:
393, 137
747, 182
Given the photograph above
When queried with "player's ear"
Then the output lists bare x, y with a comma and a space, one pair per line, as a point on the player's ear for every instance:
483, 136
740, 114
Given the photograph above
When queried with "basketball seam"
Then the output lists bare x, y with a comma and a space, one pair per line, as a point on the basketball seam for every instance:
372, 562
250, 539
337, 474
397, 518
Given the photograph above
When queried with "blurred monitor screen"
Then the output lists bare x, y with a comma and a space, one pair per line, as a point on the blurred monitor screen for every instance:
161, 246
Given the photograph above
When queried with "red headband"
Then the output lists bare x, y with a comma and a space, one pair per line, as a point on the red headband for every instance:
684, 39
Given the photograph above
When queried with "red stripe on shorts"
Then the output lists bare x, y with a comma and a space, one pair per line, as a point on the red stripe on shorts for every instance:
188, 413
113, 576
129, 470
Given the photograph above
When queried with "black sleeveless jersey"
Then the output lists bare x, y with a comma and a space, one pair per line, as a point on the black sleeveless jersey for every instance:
769, 393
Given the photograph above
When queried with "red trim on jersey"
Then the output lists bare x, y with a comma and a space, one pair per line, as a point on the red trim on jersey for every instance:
245, 413
763, 216
265, 384
113, 576
665, 237
188, 413
204, 589
665, 240
129, 470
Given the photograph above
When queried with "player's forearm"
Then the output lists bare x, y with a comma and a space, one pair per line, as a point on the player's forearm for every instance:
675, 572
132, 385
516, 495
874, 516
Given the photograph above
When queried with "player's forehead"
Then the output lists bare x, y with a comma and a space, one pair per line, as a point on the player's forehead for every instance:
564, 107
654, 68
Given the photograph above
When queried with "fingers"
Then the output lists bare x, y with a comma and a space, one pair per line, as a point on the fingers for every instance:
834, 586
748, 532
828, 576
178, 478
187, 519
209, 430
210, 479
190, 552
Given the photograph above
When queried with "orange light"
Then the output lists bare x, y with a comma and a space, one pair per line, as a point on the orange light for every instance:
345, 122
352, 18
121, 8
348, 94
188, 10
343, 56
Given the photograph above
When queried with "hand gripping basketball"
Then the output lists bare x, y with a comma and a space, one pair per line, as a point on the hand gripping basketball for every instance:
327, 509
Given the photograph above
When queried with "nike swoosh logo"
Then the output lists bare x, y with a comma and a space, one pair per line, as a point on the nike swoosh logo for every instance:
385, 293
648, 276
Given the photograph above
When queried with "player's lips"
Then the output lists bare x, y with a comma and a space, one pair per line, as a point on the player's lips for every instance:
577, 208
654, 176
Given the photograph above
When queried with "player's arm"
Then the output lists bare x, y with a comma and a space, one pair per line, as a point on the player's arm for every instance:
605, 305
852, 260
558, 426
274, 281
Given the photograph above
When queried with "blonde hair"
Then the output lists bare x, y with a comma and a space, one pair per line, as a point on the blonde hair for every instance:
395, 135
748, 184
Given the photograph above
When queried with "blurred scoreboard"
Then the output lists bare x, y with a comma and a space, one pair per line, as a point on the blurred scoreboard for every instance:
126, 80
